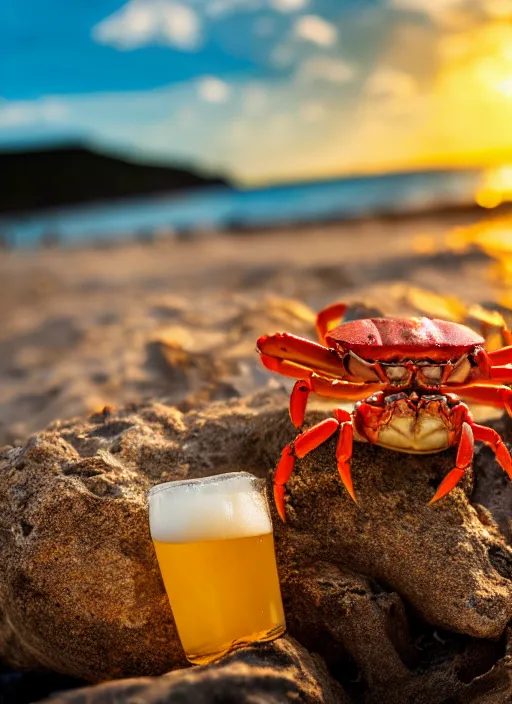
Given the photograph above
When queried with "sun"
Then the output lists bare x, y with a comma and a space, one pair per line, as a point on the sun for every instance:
505, 87
495, 188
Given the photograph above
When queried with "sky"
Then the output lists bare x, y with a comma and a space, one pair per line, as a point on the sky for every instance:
263, 91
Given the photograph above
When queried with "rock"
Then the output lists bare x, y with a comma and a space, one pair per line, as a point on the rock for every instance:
270, 673
493, 488
405, 602
81, 592
382, 653
393, 536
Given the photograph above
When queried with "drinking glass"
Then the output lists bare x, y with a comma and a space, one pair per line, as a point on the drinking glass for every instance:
215, 548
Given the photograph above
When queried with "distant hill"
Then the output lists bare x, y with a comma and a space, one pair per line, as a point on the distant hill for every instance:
33, 180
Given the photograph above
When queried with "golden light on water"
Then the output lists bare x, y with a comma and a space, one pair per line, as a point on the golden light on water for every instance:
494, 237
496, 186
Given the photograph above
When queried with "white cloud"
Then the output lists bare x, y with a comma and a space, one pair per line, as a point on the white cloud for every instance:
314, 29
213, 90
255, 98
53, 110
15, 115
186, 117
288, 5
228, 7
313, 112
422, 6
239, 131
388, 84
143, 22
217, 8
444, 12
21, 113
279, 123
325, 68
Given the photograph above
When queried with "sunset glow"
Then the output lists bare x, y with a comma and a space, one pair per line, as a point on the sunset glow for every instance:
268, 91
494, 237
462, 119
496, 187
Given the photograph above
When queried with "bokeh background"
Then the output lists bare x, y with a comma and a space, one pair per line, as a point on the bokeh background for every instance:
250, 94
264, 91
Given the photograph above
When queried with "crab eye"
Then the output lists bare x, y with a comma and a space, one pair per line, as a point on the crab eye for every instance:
396, 373
361, 369
460, 372
433, 373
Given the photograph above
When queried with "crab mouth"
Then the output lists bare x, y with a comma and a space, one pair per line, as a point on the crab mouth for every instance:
416, 399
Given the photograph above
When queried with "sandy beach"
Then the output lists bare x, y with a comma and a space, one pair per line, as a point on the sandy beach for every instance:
177, 318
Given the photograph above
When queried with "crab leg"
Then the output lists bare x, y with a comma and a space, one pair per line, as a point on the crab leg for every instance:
344, 449
302, 352
282, 366
501, 374
492, 438
303, 444
500, 396
299, 401
464, 458
502, 356
332, 388
347, 390
326, 318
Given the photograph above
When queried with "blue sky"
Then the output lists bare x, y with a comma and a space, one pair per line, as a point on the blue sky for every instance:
265, 90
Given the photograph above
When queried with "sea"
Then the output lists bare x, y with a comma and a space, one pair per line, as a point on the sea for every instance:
216, 209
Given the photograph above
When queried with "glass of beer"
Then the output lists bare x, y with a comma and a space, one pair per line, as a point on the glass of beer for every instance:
215, 548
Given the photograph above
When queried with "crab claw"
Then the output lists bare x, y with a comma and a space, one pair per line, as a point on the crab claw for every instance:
464, 459
344, 451
279, 501
448, 483
302, 445
283, 472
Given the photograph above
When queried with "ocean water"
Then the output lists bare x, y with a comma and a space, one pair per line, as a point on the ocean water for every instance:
221, 208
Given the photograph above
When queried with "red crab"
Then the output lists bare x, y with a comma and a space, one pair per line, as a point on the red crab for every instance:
408, 376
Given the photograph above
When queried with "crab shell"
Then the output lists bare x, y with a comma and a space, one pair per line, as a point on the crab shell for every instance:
387, 339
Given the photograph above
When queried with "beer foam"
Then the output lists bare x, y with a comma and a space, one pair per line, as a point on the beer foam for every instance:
216, 508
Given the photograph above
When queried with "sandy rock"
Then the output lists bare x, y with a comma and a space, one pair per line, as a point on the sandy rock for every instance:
441, 558
493, 489
81, 592
404, 602
382, 654
271, 673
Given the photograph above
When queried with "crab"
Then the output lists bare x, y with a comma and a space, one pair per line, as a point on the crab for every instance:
409, 379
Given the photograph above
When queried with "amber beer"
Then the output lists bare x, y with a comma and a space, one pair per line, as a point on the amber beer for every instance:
214, 543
